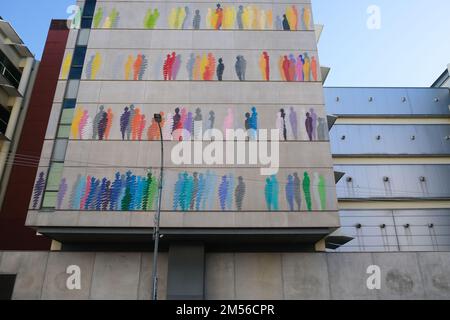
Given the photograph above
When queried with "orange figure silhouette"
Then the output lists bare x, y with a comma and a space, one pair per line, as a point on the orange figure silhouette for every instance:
219, 14
109, 122
136, 124
137, 67
286, 68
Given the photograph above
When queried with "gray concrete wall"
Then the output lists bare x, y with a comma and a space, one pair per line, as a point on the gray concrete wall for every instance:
426, 275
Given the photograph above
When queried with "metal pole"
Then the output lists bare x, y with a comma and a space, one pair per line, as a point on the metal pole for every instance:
156, 234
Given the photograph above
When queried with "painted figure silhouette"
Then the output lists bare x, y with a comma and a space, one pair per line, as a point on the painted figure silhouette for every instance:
314, 123
283, 117
297, 191
307, 190
275, 193
219, 16
294, 122
268, 192
220, 70
309, 126
239, 193
322, 130
290, 189
124, 122
241, 66
240, 14
197, 20
286, 25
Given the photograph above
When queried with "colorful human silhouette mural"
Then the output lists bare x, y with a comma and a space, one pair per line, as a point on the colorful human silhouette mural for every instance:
302, 68
264, 65
151, 18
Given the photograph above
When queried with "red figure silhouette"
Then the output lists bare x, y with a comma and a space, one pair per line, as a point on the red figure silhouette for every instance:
166, 68
219, 13
137, 67
291, 70
286, 65
267, 59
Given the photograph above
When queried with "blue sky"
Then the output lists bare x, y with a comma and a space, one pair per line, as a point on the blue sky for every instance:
412, 48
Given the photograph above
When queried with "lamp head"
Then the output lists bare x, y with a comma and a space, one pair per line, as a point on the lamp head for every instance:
158, 118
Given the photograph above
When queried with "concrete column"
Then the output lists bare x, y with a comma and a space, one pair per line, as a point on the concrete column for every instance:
186, 272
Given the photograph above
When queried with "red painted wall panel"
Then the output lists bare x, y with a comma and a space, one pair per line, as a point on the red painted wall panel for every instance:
13, 233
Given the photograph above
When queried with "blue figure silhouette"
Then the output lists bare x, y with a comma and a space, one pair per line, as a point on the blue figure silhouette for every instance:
268, 191
188, 189
177, 192
290, 192
253, 121
223, 190
275, 193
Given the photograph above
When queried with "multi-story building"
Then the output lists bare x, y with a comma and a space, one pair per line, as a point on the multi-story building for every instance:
393, 144
443, 80
229, 232
18, 70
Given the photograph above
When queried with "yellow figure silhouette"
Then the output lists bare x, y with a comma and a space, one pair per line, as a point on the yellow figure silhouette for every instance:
307, 18
269, 19
173, 18
128, 67
246, 18
76, 123
292, 17
203, 65
262, 20
255, 19
262, 66
214, 19
181, 14
66, 65
197, 68
280, 67
307, 69
96, 64
229, 17
209, 17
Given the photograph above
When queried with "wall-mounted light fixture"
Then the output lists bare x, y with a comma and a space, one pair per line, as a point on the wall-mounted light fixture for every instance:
338, 99
386, 179
413, 138
431, 225
343, 137
349, 179
383, 226
358, 226
403, 99
378, 137
422, 179
370, 99
436, 99
406, 226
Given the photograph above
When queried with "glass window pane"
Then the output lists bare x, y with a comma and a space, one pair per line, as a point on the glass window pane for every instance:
49, 199
54, 176
75, 72
72, 89
79, 55
59, 151
69, 103
86, 23
89, 8
83, 37
67, 116
64, 131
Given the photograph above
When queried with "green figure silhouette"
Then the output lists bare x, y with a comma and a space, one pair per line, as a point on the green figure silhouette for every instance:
322, 193
307, 190
152, 192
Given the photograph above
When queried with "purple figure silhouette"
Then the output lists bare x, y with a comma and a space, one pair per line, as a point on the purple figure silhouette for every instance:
314, 123
294, 122
290, 188
124, 122
309, 126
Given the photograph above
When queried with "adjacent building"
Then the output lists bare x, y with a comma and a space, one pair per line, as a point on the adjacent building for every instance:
228, 231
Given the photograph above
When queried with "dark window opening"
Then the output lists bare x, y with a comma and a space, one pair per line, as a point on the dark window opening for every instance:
69, 103
9, 71
89, 8
4, 119
86, 23
7, 282
75, 73
78, 56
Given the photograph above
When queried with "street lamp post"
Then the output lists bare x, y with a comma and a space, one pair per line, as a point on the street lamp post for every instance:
156, 235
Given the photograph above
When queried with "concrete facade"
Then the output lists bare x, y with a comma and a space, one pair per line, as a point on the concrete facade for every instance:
295, 276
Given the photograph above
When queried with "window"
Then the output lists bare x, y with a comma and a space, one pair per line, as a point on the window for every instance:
86, 23
72, 89
75, 73
9, 71
49, 201
4, 119
67, 116
7, 282
59, 150
83, 37
89, 8
54, 176
69, 103
79, 55
64, 131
